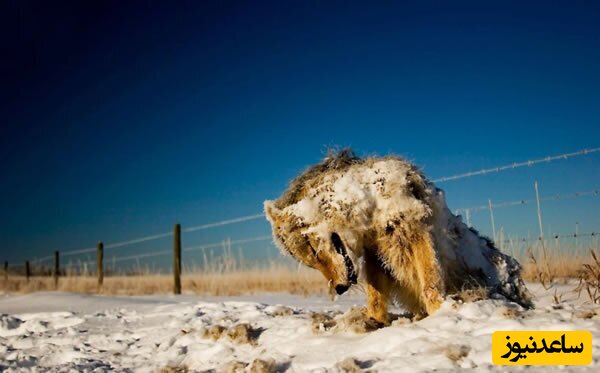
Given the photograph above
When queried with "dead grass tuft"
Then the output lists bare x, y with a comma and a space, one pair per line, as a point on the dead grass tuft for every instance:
354, 320
540, 271
279, 311
357, 321
233, 366
244, 334
263, 366
511, 312
456, 352
322, 322
213, 332
179, 369
589, 279
349, 365
585, 314
472, 294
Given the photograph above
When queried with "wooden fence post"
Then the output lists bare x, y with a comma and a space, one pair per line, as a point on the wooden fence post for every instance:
6, 270
177, 259
100, 263
56, 272
27, 271
492, 219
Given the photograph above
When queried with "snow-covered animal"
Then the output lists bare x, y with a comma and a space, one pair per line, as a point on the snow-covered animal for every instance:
384, 215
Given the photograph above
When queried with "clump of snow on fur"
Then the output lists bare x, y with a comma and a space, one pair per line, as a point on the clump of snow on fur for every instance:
370, 194
365, 195
306, 209
321, 230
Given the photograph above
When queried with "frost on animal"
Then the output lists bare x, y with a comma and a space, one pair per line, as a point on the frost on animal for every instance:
382, 217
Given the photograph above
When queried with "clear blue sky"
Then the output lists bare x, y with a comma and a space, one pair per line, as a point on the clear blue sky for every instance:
120, 119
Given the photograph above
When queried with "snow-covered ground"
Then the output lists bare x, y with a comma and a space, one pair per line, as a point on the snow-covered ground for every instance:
71, 332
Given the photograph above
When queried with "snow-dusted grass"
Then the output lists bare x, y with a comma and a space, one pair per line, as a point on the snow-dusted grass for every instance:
64, 331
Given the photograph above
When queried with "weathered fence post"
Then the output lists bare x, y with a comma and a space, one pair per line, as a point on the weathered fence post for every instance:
468, 213
177, 259
539, 213
100, 263
492, 219
27, 271
56, 272
6, 270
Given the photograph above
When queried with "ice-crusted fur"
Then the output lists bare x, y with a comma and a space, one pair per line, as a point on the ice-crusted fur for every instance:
384, 214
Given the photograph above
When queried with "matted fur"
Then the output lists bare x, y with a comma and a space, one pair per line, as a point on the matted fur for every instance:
384, 216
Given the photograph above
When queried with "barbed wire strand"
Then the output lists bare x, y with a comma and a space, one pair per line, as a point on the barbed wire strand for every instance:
554, 236
554, 197
516, 165
166, 234
137, 240
141, 256
246, 240
77, 252
42, 259
191, 248
224, 222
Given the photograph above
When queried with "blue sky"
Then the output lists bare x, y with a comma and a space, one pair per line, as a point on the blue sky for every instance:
120, 120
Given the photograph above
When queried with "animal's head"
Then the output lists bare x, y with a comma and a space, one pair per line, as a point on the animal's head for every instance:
314, 246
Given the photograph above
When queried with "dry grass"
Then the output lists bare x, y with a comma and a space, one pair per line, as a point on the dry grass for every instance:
228, 274
586, 269
228, 277
559, 266
456, 352
471, 294
349, 365
589, 279
250, 281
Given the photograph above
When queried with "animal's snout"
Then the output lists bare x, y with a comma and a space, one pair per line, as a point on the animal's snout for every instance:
341, 289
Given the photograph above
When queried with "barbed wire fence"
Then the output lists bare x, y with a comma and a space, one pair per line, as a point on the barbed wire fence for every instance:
515, 165
514, 244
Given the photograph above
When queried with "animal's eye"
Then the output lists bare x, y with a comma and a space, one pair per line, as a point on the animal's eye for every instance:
312, 249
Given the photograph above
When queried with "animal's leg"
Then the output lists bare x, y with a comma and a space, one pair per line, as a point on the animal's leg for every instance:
413, 263
428, 271
379, 285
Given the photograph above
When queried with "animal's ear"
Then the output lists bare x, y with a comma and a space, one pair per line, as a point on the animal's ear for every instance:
271, 212
417, 185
